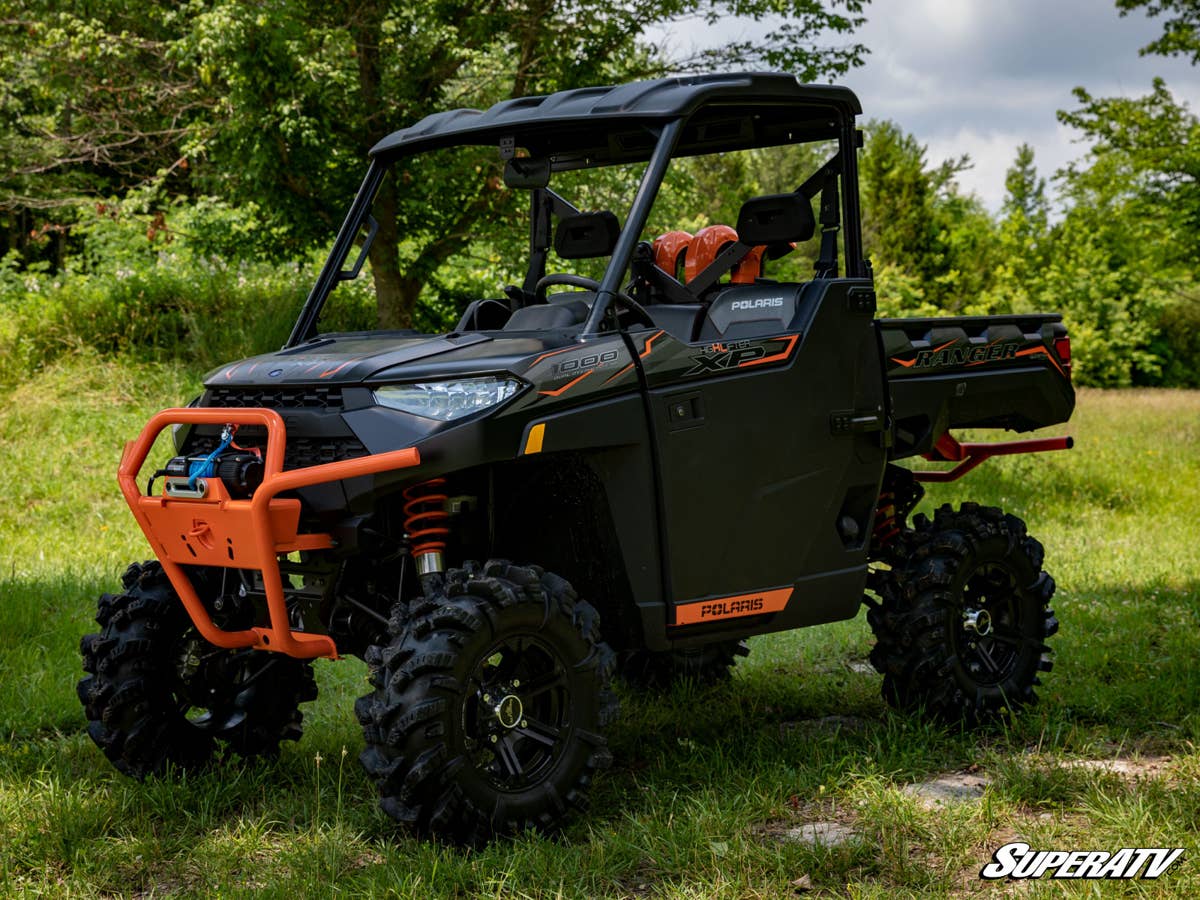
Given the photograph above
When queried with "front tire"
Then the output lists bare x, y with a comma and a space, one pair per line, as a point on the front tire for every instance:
963, 617
489, 706
158, 694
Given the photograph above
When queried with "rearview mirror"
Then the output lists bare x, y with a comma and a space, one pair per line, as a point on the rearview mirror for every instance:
527, 173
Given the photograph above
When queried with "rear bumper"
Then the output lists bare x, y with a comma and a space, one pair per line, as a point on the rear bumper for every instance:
243, 534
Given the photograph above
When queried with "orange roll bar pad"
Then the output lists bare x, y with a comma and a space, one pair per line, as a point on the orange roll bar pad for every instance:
243, 534
968, 456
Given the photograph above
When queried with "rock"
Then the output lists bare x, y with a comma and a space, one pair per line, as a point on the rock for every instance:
825, 834
945, 790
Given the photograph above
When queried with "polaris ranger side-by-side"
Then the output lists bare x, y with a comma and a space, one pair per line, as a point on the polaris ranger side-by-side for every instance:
675, 456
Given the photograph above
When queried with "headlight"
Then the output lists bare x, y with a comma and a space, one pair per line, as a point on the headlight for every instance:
447, 400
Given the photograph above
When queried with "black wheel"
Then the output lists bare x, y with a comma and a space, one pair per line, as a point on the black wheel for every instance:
963, 619
158, 694
489, 705
705, 665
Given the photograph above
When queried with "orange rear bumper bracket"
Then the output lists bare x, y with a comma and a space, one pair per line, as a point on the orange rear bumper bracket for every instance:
968, 456
240, 534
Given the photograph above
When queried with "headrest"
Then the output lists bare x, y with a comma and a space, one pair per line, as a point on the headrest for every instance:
587, 235
776, 219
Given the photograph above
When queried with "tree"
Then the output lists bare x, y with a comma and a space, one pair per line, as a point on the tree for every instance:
1181, 30
1025, 193
916, 222
92, 103
309, 87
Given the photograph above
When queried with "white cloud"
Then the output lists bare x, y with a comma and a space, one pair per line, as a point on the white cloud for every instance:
984, 76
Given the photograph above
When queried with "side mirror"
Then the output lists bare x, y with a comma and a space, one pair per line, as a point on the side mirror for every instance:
776, 219
527, 172
587, 235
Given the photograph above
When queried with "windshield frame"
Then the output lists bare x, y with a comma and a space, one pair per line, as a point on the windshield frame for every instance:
668, 137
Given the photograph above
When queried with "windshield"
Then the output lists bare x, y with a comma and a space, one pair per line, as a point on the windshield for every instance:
443, 230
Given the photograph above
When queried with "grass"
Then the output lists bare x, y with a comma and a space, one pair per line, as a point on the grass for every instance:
705, 783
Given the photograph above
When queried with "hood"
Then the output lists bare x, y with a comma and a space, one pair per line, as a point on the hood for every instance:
360, 357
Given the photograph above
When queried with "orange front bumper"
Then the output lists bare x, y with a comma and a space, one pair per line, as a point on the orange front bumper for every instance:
241, 534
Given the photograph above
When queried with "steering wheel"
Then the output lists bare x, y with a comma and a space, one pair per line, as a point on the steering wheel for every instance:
590, 284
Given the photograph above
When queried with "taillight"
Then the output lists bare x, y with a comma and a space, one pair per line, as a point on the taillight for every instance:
1062, 346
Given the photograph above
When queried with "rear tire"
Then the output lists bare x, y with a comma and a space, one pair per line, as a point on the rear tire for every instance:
707, 665
489, 706
964, 616
158, 694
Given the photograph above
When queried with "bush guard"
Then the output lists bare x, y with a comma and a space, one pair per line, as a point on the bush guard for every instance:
244, 534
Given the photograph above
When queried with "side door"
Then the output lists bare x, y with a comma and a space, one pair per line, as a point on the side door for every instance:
769, 460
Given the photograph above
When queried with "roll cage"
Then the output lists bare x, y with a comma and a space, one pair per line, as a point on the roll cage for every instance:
651, 122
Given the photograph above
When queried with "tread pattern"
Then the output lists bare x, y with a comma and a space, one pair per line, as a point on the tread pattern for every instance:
412, 719
921, 597
129, 695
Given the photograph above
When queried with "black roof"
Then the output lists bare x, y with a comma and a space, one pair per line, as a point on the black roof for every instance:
588, 125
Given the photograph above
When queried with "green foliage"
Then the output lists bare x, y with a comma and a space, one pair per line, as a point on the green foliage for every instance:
140, 287
915, 219
1181, 30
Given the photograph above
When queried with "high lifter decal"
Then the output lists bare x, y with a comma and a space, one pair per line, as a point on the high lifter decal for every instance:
721, 357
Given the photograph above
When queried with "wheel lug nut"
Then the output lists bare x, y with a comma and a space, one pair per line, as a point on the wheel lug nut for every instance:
516, 683
495, 738
524, 723
487, 698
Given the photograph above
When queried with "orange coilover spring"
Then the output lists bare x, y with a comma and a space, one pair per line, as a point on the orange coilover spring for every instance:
886, 528
425, 519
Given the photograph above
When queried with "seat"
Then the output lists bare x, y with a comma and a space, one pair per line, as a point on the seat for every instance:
677, 319
555, 314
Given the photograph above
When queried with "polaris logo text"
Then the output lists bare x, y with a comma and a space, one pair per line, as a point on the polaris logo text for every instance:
722, 609
1020, 861
760, 303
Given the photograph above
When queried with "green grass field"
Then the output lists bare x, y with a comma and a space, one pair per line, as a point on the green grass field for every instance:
707, 783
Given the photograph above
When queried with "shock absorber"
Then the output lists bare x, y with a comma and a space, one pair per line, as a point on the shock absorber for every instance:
425, 524
886, 528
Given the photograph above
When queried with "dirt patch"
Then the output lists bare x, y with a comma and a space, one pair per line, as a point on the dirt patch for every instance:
1141, 768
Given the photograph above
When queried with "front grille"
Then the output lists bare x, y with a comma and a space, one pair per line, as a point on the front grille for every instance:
302, 452
298, 453
315, 398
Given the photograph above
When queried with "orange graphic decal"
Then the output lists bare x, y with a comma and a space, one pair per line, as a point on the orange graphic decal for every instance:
1033, 351
782, 354
551, 353
619, 374
647, 348
334, 371
566, 387
912, 362
649, 342
718, 608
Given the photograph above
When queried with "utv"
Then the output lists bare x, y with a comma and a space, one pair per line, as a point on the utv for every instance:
678, 451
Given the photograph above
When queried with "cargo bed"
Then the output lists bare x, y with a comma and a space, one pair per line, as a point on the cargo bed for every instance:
1008, 372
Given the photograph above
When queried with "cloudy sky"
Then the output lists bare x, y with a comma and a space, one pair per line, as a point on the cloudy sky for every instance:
983, 76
